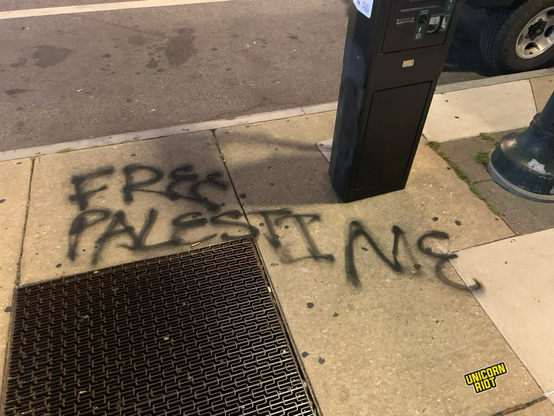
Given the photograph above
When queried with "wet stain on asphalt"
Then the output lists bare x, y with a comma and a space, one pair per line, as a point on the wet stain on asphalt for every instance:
16, 91
20, 63
180, 49
137, 40
152, 63
48, 55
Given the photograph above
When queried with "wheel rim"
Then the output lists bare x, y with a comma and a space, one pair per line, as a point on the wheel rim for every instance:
537, 36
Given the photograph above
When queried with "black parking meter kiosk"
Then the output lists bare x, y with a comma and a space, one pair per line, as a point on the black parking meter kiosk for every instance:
392, 63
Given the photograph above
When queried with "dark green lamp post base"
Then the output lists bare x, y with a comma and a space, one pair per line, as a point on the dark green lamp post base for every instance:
524, 163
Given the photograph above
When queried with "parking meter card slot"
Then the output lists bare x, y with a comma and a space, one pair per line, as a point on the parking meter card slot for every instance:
434, 24
418, 25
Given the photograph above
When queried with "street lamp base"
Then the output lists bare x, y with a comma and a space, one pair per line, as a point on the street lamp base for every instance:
516, 190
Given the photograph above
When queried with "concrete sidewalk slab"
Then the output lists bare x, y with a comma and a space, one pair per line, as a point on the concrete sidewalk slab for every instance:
15, 179
463, 152
519, 298
101, 207
285, 151
523, 216
462, 114
379, 333
542, 90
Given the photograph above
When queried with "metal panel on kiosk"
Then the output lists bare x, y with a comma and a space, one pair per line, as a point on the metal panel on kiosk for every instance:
391, 66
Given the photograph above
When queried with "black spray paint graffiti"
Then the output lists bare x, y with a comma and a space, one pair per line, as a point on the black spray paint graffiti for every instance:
185, 185
277, 217
182, 185
177, 177
118, 226
357, 230
443, 259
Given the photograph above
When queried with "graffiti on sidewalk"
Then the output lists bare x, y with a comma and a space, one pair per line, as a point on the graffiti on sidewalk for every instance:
356, 230
182, 184
204, 219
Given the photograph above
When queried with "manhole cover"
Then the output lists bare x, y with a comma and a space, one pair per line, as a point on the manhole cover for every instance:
189, 334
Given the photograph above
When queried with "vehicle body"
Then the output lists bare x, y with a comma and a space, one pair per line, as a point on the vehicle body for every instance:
519, 35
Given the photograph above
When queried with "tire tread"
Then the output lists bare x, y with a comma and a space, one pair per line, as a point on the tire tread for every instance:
502, 24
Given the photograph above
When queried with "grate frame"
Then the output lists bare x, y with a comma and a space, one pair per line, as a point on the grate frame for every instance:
159, 362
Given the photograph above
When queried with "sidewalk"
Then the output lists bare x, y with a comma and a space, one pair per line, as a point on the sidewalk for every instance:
376, 333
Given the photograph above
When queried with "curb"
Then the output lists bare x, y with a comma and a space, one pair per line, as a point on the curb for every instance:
239, 121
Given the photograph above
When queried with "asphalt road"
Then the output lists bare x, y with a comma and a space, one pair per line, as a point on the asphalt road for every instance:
77, 76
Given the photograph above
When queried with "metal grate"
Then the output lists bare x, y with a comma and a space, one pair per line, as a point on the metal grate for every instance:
189, 334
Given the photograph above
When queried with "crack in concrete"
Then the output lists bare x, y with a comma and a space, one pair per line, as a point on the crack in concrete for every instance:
28, 206
519, 407
222, 156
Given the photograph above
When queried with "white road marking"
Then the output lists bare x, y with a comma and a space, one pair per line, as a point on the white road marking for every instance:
141, 4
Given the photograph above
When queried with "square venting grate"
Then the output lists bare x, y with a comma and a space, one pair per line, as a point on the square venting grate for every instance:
189, 334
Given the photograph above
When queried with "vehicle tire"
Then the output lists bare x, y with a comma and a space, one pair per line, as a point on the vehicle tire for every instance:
520, 38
